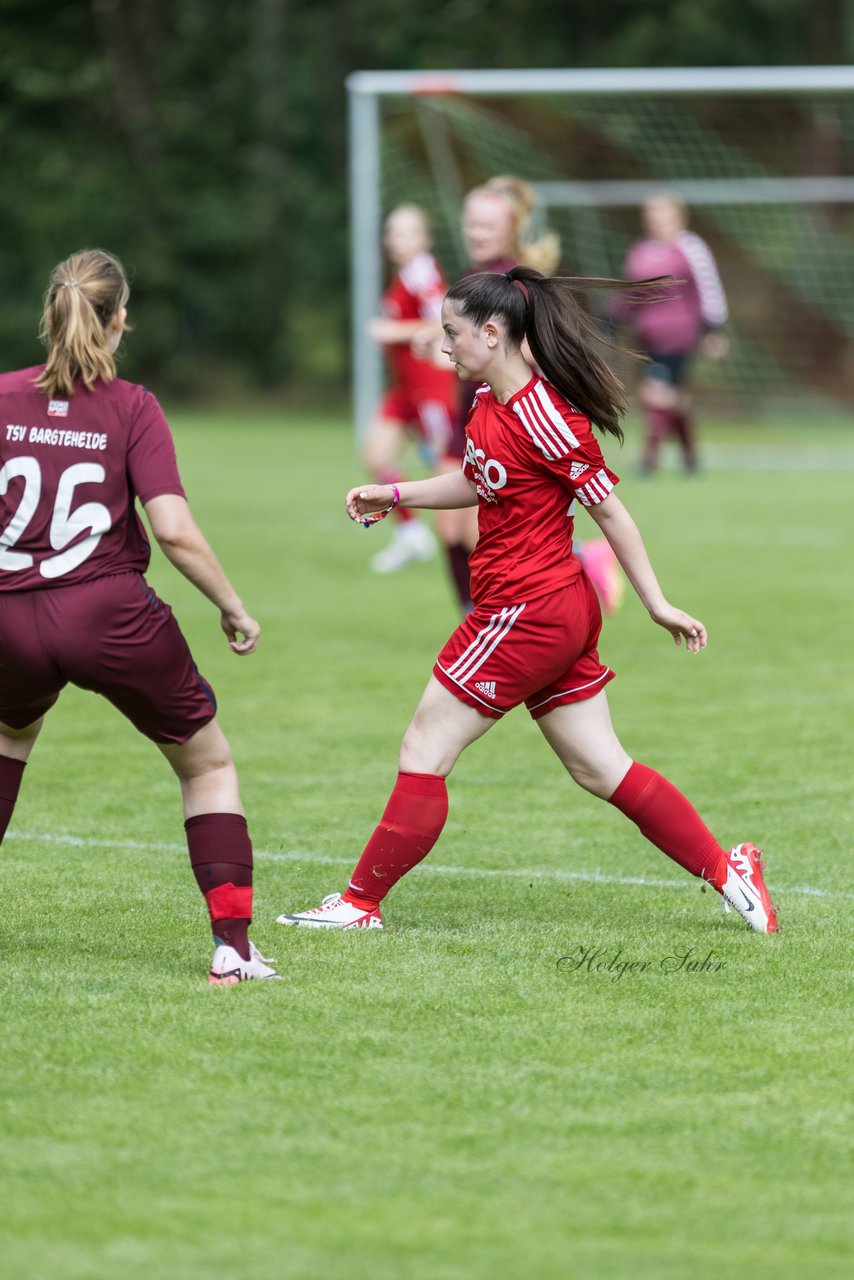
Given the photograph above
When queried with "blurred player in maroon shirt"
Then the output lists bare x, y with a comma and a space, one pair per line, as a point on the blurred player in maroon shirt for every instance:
421, 399
686, 317
530, 457
78, 447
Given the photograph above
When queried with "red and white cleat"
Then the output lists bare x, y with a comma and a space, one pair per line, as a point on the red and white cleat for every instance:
228, 967
335, 913
745, 889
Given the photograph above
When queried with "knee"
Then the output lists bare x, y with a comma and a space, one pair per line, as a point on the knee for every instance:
600, 777
420, 754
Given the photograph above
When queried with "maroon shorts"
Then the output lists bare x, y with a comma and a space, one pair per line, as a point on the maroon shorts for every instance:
542, 653
113, 636
429, 415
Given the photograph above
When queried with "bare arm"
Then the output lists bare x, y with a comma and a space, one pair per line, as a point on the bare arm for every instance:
389, 332
184, 545
624, 536
447, 492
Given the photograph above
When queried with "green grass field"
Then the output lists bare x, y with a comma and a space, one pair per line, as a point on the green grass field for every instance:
444, 1100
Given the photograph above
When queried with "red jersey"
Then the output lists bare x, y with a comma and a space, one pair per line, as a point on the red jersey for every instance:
70, 471
416, 293
530, 459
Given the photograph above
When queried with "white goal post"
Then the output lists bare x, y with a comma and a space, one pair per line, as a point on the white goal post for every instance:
733, 180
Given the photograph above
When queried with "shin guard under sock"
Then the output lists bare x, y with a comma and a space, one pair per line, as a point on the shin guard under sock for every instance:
670, 822
411, 825
221, 857
11, 773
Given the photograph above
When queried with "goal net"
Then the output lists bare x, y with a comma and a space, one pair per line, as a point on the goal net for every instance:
763, 157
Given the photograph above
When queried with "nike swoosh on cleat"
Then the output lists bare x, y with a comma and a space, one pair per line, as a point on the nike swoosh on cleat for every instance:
750, 905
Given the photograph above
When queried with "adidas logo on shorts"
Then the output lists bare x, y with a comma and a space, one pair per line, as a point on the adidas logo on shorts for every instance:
486, 686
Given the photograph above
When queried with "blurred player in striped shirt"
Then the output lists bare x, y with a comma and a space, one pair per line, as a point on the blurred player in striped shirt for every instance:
685, 318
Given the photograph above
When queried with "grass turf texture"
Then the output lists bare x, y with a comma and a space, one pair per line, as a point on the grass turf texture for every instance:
445, 1100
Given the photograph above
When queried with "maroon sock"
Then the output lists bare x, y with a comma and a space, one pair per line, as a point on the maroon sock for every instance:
670, 822
683, 428
221, 858
659, 424
458, 562
411, 825
11, 772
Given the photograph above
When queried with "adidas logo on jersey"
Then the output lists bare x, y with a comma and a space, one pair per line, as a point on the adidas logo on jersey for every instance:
577, 469
486, 686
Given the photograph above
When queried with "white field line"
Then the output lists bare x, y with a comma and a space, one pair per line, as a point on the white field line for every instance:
484, 873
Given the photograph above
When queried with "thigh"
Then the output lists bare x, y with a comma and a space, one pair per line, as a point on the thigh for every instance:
440, 731
582, 736
385, 437
116, 637
30, 681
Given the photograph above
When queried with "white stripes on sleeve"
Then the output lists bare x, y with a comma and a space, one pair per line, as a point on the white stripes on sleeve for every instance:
713, 306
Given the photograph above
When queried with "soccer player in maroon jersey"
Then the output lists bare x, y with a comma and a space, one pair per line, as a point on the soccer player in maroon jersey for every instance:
422, 397
78, 447
685, 318
530, 458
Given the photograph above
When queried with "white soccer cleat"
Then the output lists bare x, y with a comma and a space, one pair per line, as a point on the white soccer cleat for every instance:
411, 542
228, 967
745, 889
334, 913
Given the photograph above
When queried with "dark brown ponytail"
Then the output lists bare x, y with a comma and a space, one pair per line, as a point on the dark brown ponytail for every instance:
564, 340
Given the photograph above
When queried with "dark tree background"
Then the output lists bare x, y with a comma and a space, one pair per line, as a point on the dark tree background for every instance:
204, 142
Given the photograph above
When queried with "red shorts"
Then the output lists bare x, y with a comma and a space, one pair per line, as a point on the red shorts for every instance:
429, 414
113, 636
542, 653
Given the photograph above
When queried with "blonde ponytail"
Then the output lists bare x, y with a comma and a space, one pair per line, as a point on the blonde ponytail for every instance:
86, 292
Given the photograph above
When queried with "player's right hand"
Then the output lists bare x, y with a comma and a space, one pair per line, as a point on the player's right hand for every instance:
239, 624
367, 498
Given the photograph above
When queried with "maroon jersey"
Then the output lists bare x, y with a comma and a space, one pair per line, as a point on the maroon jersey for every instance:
530, 459
70, 471
416, 293
683, 311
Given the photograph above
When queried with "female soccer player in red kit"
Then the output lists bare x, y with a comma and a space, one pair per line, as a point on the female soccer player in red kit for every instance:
78, 446
533, 635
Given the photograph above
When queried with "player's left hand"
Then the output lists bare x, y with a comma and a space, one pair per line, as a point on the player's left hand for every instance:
681, 624
238, 624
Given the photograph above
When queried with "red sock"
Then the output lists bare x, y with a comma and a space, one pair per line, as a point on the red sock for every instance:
670, 822
403, 514
221, 856
411, 825
11, 772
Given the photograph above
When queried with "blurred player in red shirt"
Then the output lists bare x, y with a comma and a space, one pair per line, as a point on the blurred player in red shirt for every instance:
78, 447
530, 458
685, 318
422, 397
